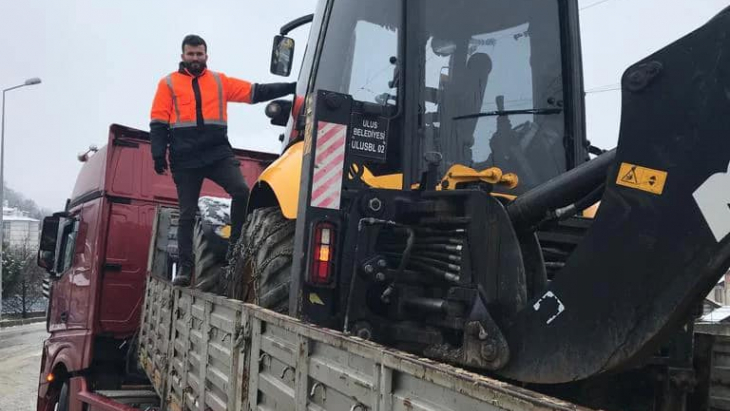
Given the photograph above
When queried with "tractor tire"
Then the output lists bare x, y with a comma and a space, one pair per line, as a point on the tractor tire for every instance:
209, 260
260, 268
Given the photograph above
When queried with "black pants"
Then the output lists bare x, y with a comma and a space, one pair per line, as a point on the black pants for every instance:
227, 174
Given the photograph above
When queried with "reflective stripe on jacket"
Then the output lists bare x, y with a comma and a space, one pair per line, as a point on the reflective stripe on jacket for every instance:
190, 114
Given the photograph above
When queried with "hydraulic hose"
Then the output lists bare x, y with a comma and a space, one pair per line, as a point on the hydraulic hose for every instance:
385, 297
568, 211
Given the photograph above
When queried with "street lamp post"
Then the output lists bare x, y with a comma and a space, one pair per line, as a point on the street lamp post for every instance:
29, 82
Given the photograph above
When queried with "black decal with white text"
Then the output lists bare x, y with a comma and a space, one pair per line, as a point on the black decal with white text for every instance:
369, 137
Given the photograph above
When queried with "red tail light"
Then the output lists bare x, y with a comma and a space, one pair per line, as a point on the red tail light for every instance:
323, 257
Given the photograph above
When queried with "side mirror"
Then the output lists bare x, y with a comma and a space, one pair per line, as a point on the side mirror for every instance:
46, 259
282, 56
47, 249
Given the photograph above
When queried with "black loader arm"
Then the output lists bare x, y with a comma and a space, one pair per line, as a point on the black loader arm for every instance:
660, 239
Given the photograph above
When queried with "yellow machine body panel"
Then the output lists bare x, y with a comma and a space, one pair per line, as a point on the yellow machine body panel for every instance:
284, 176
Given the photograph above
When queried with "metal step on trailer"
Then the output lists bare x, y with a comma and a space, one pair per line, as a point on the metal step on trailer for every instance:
135, 398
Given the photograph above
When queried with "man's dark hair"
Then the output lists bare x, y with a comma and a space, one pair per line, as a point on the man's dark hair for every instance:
193, 40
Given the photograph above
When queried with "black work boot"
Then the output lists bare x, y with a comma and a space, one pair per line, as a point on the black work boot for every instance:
182, 279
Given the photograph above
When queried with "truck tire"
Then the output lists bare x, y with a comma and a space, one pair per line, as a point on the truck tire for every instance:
63, 398
260, 269
210, 259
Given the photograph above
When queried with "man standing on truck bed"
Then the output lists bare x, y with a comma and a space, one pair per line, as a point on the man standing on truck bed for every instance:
189, 115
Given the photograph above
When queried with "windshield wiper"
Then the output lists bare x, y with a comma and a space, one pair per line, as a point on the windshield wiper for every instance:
540, 111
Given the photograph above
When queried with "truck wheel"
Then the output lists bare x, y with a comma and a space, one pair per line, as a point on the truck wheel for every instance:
63, 398
260, 271
210, 257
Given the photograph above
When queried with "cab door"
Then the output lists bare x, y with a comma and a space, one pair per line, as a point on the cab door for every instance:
123, 269
59, 308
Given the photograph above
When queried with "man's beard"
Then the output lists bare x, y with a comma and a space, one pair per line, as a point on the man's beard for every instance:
195, 67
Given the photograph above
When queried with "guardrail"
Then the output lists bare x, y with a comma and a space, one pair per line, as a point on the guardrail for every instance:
22, 321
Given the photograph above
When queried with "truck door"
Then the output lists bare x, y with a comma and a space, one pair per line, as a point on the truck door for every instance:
60, 299
82, 276
124, 266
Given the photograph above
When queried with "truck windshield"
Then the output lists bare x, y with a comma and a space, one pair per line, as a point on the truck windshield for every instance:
360, 52
488, 73
492, 87
360, 58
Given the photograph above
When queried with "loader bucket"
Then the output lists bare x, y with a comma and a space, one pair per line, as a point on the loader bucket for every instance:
660, 240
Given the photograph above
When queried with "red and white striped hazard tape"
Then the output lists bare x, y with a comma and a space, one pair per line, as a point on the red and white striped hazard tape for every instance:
329, 159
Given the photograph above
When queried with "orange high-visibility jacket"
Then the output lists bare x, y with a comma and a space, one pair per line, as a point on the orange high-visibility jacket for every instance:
175, 101
190, 114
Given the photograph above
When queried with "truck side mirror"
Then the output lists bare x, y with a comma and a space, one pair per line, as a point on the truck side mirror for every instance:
282, 56
47, 249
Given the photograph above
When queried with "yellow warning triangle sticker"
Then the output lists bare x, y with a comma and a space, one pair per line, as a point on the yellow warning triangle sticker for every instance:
630, 177
641, 178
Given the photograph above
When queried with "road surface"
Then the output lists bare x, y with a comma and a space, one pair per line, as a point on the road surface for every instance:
20, 356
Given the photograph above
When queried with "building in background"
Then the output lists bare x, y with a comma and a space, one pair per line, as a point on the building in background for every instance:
716, 307
721, 292
19, 230
21, 235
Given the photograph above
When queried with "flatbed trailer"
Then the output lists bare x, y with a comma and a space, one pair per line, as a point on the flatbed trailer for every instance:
206, 352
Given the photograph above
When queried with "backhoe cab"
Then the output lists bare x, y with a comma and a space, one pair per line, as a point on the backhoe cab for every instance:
444, 170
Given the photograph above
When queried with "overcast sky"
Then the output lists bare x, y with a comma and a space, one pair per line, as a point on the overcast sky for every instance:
100, 62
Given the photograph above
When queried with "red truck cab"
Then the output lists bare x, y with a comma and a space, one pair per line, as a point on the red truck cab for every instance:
97, 251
